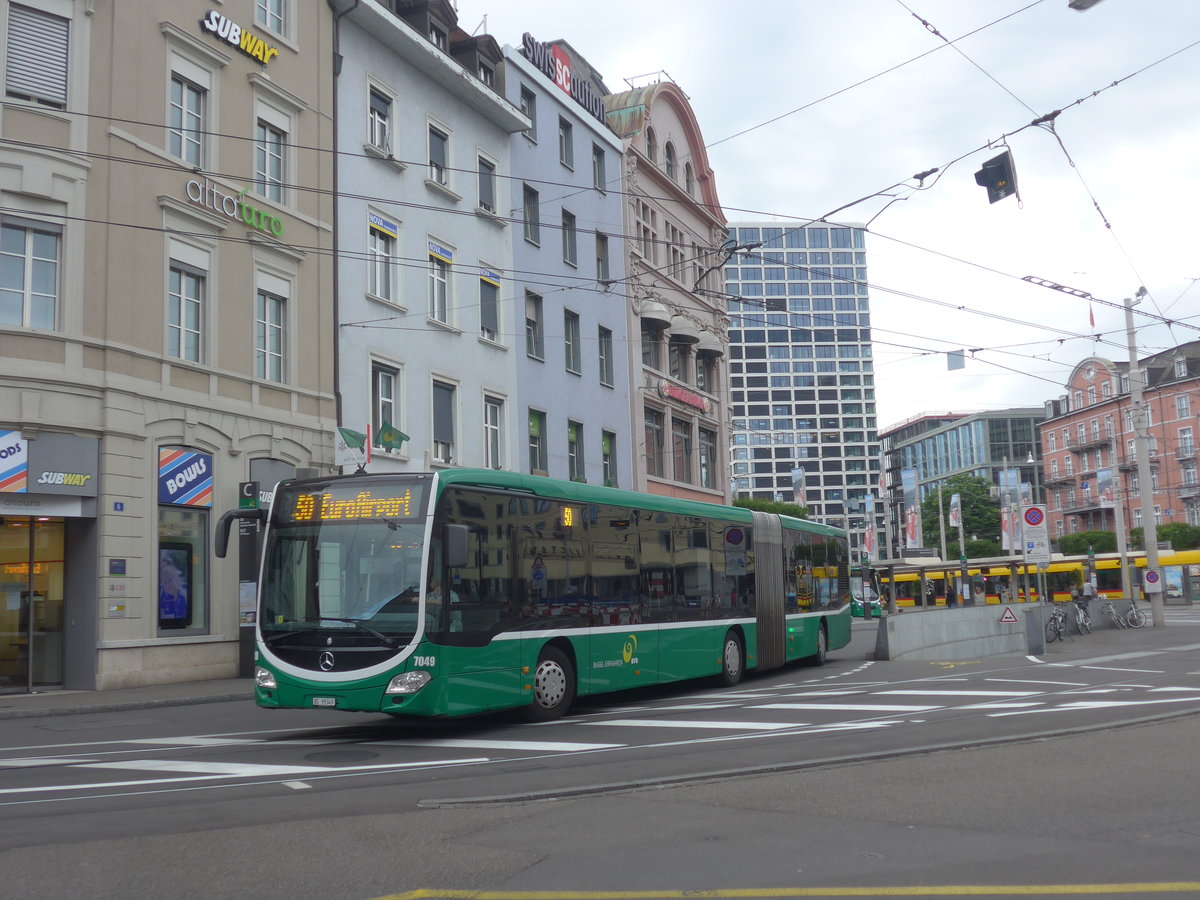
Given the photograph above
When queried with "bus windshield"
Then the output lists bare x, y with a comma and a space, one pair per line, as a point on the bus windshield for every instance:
344, 559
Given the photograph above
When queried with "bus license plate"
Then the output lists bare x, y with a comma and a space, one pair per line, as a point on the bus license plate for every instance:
324, 701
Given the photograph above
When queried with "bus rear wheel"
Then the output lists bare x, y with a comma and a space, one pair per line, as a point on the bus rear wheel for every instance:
733, 659
553, 686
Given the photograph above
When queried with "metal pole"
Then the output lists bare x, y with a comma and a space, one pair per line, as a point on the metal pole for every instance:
1119, 524
1145, 477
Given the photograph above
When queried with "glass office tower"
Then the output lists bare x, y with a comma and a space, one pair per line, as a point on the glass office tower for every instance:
802, 384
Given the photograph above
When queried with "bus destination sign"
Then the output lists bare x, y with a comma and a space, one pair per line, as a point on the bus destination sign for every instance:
356, 503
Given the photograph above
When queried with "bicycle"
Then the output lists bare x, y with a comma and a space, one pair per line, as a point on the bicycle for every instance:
1082, 620
1135, 618
1056, 625
1117, 620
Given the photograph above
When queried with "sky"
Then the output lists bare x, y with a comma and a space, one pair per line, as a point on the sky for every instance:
809, 106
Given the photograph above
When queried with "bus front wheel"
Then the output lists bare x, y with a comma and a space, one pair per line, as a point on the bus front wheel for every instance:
733, 660
553, 686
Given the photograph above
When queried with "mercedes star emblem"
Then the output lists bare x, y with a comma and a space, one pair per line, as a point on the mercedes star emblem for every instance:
326, 661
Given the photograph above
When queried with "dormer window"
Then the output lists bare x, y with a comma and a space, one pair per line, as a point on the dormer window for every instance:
438, 36
487, 74
1181, 367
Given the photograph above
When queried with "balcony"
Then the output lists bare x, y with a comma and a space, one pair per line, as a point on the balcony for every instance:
1189, 491
1185, 452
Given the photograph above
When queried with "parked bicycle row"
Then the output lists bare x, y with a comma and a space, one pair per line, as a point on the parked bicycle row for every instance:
1056, 623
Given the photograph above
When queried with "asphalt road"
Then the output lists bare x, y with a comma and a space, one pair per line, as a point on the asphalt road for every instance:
1014, 773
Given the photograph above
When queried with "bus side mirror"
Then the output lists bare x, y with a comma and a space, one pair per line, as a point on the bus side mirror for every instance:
226, 521
455, 540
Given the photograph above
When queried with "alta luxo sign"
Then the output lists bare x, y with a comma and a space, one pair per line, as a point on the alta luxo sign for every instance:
243, 38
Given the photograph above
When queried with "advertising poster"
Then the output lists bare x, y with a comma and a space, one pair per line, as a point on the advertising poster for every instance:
912, 509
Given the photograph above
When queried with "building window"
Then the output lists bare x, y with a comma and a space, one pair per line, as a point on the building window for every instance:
575, 469
1186, 447
29, 262
531, 207
438, 36
655, 446
535, 340
677, 360
185, 312
605, 343
443, 422
705, 380
1183, 406
271, 14
681, 449
36, 69
647, 231
570, 246
651, 145
487, 185
537, 442
385, 410
529, 107
487, 75
599, 178
439, 289
493, 432
439, 155
489, 296
381, 258
708, 458
689, 180
270, 156
270, 337
572, 342
187, 120
669, 160
601, 256
651, 346
608, 457
379, 121
566, 143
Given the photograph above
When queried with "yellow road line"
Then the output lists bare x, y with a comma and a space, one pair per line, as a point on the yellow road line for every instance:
945, 890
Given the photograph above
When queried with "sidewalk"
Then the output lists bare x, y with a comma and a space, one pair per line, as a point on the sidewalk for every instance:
66, 703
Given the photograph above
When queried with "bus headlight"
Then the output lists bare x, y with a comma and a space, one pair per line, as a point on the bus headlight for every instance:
264, 678
408, 683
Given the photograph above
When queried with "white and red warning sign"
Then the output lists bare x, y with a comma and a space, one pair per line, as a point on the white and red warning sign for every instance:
1008, 617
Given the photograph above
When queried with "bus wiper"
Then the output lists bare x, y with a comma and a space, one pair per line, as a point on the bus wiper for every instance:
358, 623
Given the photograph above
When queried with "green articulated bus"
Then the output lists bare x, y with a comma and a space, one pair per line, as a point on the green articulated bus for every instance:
456, 592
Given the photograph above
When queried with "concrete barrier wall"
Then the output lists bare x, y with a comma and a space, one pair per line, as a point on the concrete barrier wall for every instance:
962, 633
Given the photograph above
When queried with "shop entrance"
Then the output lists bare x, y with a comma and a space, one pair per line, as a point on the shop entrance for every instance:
31, 603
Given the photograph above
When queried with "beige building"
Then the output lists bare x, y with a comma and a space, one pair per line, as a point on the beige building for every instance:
674, 227
166, 312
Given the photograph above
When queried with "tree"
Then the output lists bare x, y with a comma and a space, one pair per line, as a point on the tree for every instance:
770, 506
1098, 541
980, 514
1181, 536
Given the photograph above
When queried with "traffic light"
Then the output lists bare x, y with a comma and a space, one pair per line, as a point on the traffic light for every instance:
998, 176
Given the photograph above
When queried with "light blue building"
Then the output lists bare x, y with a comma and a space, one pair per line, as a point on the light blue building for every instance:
566, 300
426, 295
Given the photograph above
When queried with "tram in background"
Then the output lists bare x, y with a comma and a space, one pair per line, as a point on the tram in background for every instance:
991, 580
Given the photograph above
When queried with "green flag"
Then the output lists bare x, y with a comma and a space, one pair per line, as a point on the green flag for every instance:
354, 439
392, 438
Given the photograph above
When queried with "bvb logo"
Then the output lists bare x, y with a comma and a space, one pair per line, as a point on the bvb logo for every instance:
629, 649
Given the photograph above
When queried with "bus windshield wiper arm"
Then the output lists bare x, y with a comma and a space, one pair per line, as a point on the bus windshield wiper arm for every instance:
358, 623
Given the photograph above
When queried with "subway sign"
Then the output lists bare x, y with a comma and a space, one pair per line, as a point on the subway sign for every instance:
243, 38
554, 63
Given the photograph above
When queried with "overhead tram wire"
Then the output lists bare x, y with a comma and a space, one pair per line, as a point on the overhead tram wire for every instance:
887, 71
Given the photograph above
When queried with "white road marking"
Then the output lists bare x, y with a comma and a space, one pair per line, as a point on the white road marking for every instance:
961, 693
486, 744
38, 762
1041, 681
850, 707
683, 723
